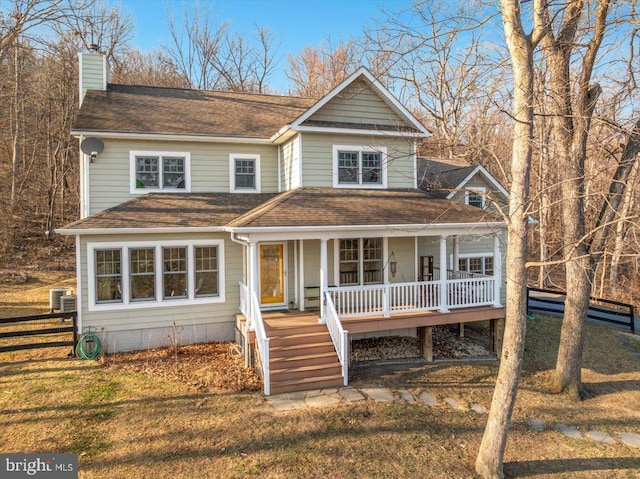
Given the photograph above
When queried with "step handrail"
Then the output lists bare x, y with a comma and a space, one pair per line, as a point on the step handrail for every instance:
339, 336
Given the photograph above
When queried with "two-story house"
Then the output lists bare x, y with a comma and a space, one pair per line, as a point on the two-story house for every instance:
289, 224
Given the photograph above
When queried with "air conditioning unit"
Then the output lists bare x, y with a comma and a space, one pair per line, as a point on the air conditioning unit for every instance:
68, 303
55, 295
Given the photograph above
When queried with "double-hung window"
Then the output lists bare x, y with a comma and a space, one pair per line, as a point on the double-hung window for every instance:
244, 173
108, 276
359, 167
475, 197
145, 274
160, 171
360, 261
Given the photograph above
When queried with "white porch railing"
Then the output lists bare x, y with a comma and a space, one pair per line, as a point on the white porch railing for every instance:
385, 299
262, 341
245, 304
250, 307
339, 336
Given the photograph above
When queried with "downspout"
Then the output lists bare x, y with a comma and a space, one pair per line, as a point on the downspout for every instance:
245, 244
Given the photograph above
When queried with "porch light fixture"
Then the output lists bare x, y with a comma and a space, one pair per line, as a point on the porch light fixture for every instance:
393, 265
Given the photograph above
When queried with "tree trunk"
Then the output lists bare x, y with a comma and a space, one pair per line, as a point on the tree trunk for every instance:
489, 463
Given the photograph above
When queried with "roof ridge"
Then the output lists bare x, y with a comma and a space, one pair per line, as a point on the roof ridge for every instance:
278, 95
267, 206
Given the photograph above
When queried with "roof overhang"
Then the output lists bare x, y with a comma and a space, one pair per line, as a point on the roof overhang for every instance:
131, 231
118, 135
366, 231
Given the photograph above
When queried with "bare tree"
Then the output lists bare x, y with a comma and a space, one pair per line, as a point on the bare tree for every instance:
521, 46
195, 40
315, 71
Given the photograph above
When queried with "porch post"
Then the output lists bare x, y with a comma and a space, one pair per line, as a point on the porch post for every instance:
323, 277
444, 303
301, 274
497, 271
456, 253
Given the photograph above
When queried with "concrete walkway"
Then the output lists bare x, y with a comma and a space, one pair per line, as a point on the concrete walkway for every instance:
333, 396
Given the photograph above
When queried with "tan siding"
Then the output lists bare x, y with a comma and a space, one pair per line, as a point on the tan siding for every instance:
290, 172
109, 183
92, 72
404, 252
317, 163
358, 103
165, 315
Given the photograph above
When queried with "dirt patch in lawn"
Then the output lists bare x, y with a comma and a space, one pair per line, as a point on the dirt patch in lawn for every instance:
205, 367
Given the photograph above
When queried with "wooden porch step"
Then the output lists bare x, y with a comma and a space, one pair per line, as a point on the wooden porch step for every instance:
320, 382
301, 372
280, 331
296, 350
302, 358
299, 339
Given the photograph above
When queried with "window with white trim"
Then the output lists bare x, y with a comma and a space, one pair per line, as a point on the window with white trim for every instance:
476, 263
244, 173
359, 167
360, 261
159, 171
475, 196
146, 274
108, 276
142, 278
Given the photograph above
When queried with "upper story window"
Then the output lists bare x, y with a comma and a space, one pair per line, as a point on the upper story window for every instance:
475, 196
244, 173
160, 171
359, 167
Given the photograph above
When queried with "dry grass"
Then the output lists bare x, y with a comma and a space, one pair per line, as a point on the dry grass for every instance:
129, 423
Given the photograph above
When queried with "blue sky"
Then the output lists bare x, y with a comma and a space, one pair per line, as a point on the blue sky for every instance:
296, 23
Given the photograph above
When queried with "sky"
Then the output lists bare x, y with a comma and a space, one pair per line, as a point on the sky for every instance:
295, 23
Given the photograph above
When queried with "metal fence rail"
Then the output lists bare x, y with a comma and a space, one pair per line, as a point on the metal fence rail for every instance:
37, 332
600, 309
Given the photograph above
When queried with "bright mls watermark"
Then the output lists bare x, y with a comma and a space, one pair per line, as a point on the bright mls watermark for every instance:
50, 466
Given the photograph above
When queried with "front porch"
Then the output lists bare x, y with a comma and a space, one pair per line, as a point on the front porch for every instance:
298, 350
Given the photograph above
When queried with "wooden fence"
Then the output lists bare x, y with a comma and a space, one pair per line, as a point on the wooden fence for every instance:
52, 328
551, 301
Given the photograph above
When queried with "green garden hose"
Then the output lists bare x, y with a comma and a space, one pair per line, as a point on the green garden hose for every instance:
89, 346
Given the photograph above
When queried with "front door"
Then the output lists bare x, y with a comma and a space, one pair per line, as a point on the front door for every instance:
272, 273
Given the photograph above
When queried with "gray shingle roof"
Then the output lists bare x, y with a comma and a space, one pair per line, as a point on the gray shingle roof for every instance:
141, 109
296, 208
442, 175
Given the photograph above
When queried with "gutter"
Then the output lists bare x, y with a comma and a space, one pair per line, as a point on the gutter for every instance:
112, 231
172, 137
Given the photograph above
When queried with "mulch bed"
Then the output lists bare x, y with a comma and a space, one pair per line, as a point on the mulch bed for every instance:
206, 367
446, 345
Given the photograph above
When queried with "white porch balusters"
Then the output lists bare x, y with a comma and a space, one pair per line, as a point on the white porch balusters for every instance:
497, 271
444, 293
324, 278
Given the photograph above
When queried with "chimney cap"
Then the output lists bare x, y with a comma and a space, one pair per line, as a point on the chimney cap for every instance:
93, 47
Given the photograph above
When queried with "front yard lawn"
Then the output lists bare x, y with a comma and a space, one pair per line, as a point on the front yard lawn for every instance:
128, 420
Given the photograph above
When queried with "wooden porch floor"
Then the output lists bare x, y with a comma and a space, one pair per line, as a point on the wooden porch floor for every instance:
368, 324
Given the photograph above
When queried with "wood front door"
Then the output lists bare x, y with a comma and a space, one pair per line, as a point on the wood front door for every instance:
272, 273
